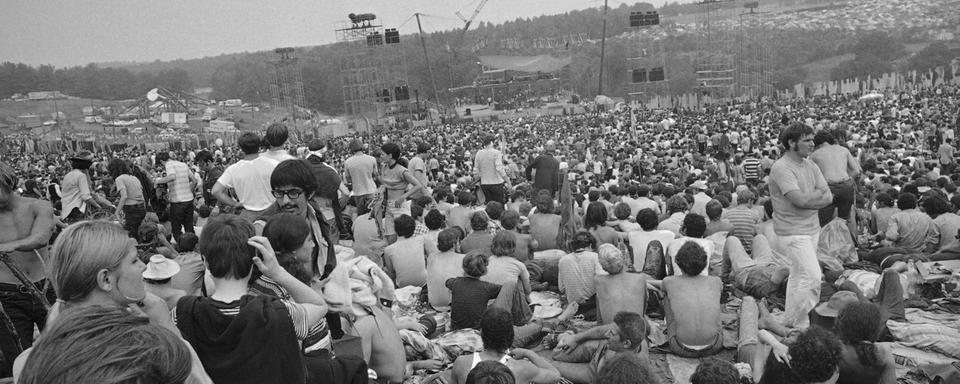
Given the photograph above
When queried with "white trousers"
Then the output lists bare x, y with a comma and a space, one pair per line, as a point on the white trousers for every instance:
803, 287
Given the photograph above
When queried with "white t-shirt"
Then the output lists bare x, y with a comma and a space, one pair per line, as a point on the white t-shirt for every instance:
640, 240
250, 179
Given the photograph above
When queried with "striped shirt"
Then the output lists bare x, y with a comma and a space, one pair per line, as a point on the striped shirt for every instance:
179, 188
576, 276
298, 314
744, 221
319, 331
751, 168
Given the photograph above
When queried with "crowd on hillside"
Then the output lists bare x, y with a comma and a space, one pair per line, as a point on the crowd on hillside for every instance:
579, 248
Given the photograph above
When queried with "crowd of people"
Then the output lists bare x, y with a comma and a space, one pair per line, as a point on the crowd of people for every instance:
276, 262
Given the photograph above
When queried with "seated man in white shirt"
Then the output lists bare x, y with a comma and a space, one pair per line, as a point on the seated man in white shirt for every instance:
640, 240
692, 230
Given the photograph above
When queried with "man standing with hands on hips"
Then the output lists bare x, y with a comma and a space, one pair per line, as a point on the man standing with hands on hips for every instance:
798, 190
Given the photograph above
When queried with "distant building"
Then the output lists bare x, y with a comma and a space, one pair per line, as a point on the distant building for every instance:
45, 95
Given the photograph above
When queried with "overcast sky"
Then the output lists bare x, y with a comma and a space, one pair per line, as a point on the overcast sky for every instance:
77, 32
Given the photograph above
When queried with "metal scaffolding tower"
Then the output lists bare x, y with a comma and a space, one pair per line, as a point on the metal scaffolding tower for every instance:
647, 63
716, 63
287, 89
373, 73
753, 64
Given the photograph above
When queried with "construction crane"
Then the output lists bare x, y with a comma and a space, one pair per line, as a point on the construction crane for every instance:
466, 26
476, 12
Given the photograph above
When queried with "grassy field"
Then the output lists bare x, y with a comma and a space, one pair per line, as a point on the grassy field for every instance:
820, 70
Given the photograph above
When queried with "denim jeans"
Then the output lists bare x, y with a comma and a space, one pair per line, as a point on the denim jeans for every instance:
843, 199
133, 216
24, 312
181, 215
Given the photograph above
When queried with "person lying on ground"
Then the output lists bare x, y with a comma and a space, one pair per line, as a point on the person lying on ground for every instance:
580, 357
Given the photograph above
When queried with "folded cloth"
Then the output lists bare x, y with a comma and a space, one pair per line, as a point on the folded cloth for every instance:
418, 347
465, 340
368, 284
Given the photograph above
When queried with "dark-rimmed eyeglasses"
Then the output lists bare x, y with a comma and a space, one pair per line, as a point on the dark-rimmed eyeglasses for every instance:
291, 193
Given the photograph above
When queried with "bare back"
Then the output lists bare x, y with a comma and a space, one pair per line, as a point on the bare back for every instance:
26, 218
382, 347
693, 314
833, 162
624, 291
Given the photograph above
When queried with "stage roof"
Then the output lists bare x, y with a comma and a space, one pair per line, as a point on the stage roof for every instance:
540, 63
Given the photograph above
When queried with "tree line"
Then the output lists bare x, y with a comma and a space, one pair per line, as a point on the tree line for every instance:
249, 76
90, 81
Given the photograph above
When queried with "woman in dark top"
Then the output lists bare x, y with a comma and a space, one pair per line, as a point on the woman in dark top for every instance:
30, 189
53, 190
468, 294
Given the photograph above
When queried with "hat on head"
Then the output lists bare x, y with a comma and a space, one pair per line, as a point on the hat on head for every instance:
836, 303
699, 184
317, 144
83, 156
160, 268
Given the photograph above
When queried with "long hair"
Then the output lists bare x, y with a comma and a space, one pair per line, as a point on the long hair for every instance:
118, 167
106, 345
287, 233
490, 372
82, 250
149, 190
596, 216
859, 325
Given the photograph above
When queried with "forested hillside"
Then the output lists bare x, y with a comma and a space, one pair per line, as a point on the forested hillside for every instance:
454, 60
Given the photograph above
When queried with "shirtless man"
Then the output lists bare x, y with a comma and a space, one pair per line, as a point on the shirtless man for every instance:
580, 356
620, 290
25, 228
692, 306
382, 347
840, 169
442, 266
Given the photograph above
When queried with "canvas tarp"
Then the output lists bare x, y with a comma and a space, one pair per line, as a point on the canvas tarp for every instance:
531, 64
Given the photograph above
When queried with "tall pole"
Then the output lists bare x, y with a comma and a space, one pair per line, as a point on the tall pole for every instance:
603, 48
426, 57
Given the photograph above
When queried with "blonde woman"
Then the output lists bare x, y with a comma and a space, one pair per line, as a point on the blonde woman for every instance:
95, 263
